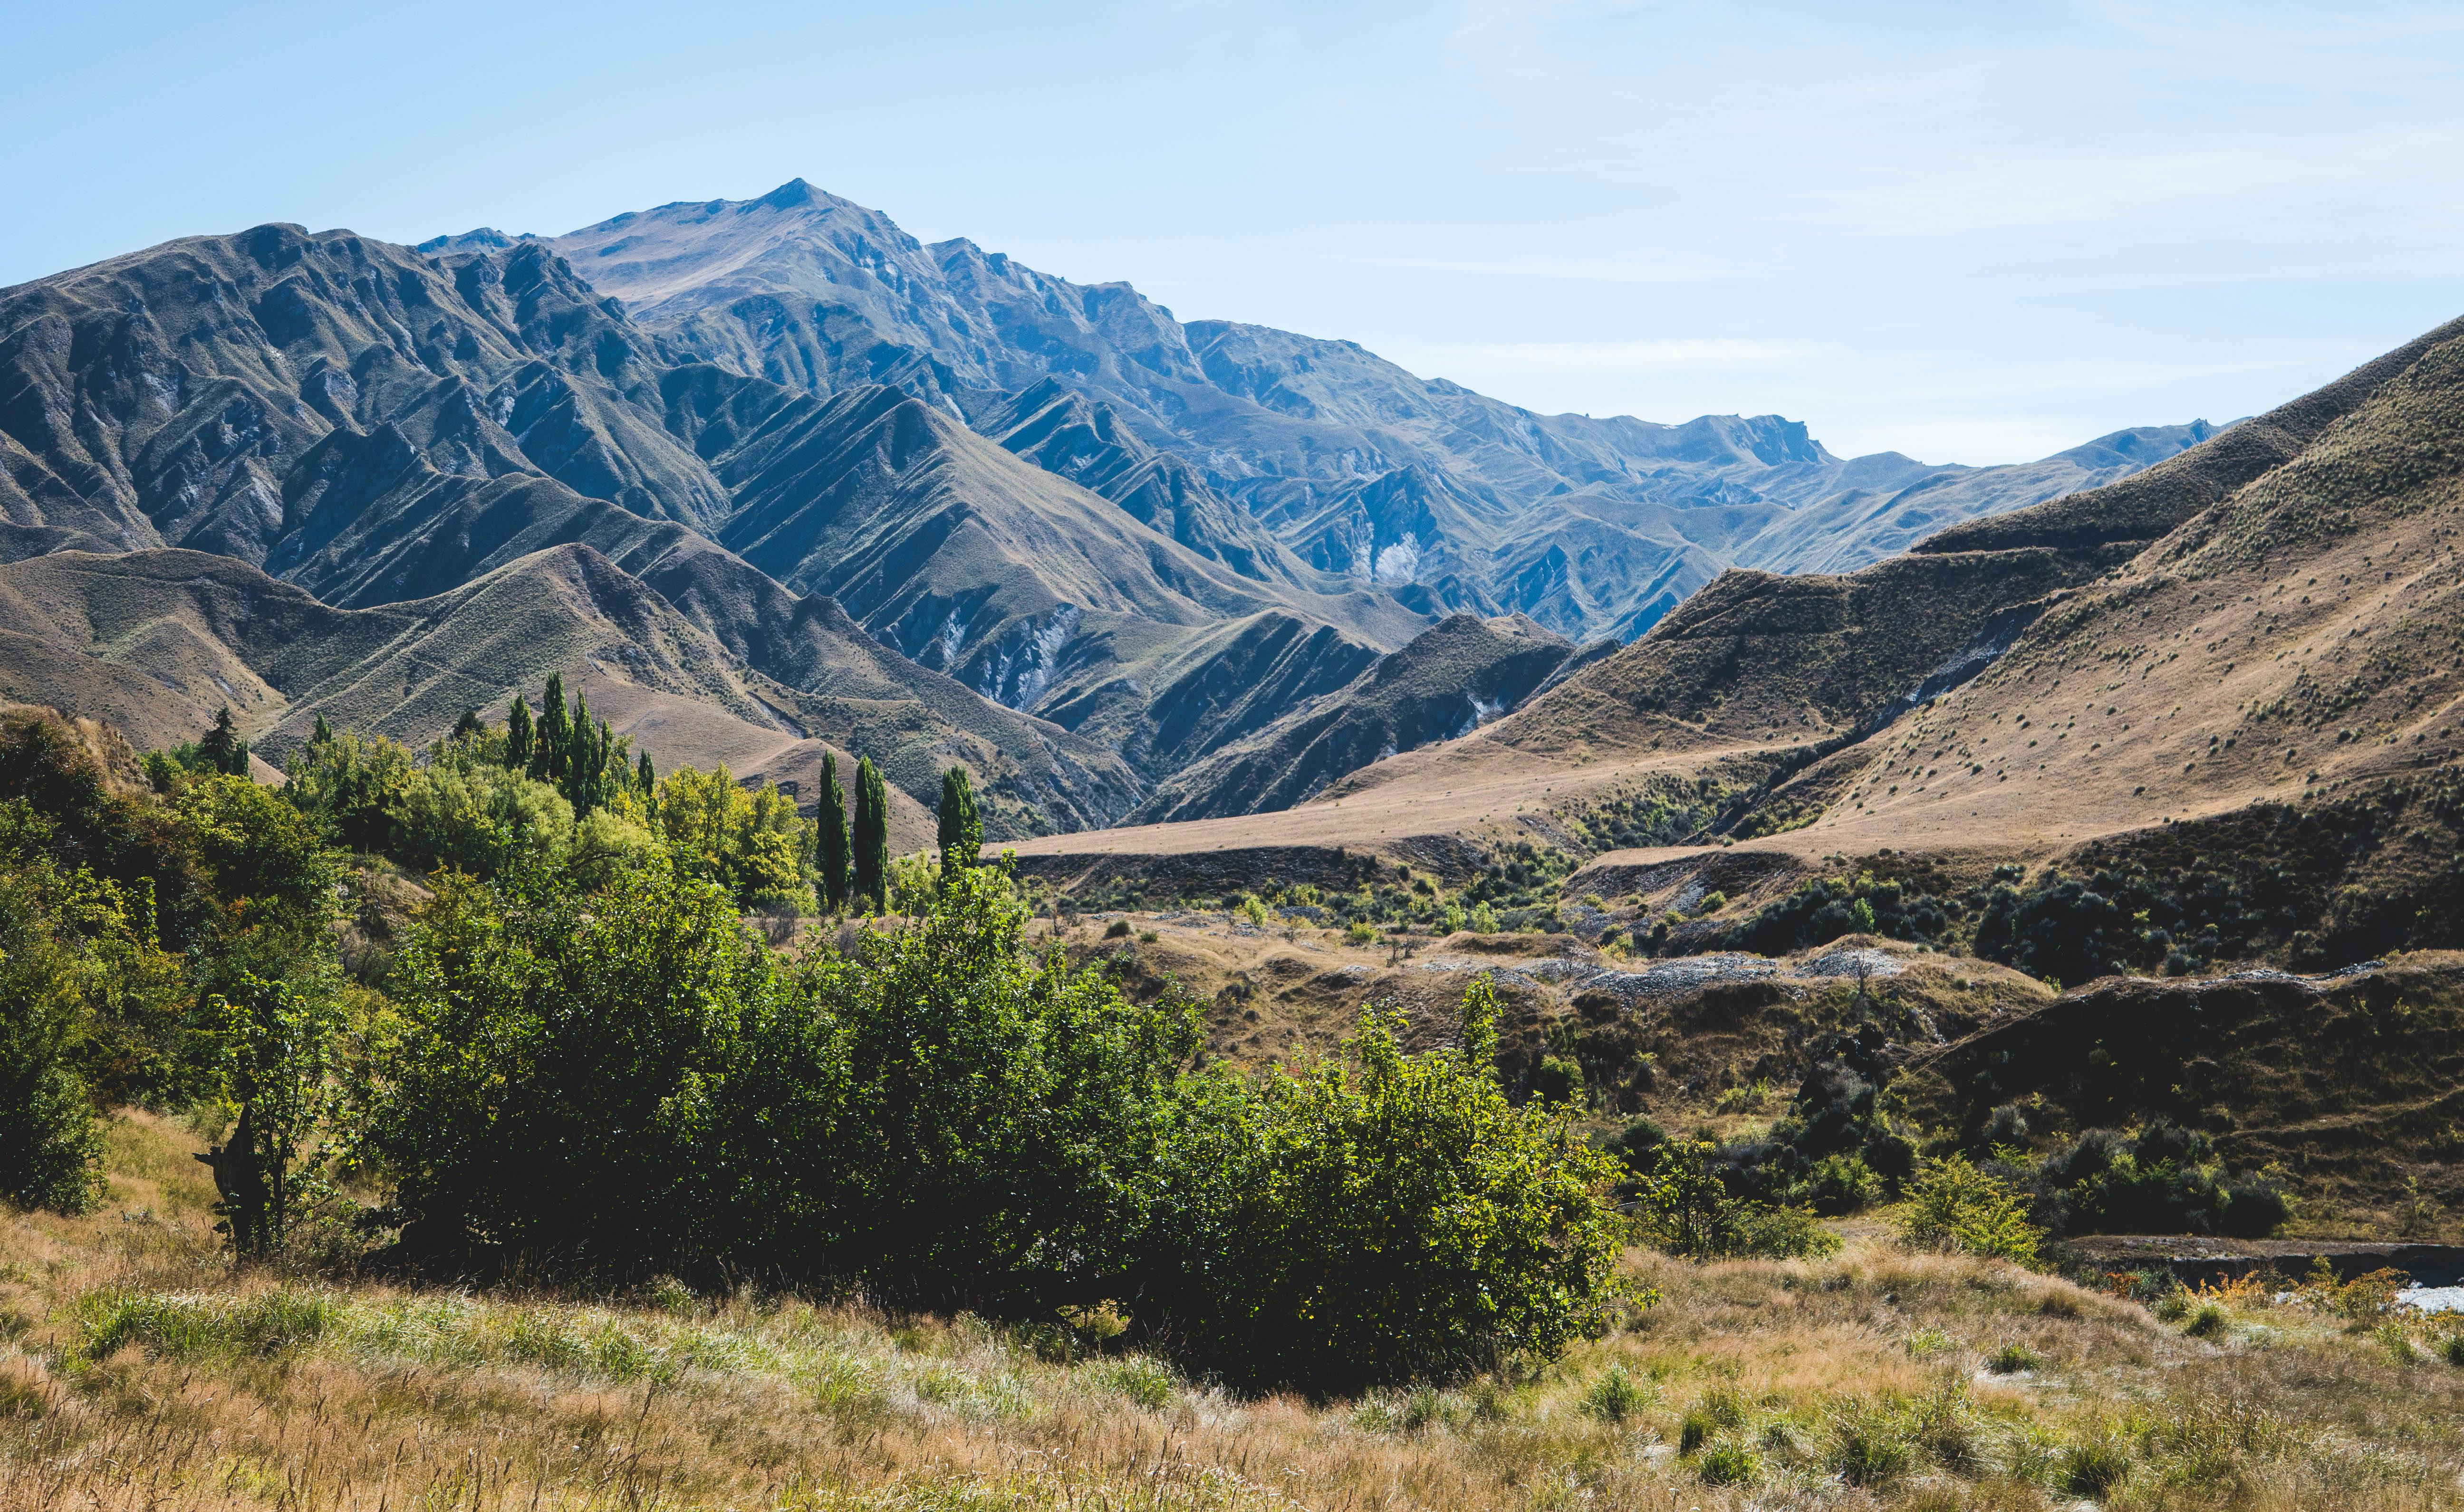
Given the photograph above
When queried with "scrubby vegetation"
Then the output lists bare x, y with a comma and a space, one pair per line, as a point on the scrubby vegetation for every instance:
140, 1367
578, 1064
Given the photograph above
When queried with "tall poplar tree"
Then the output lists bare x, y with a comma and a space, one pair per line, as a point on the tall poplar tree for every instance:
962, 829
518, 735
871, 835
547, 745
832, 823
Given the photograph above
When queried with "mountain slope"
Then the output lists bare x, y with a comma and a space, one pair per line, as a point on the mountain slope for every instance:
2233, 675
1455, 499
1452, 677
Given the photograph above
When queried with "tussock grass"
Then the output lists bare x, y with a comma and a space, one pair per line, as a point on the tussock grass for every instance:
143, 1371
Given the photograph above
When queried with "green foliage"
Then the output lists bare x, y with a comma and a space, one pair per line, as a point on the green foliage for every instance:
1684, 1209
1727, 1465
748, 842
221, 748
547, 1089
1377, 1217
521, 741
50, 971
2013, 1358
961, 829
1952, 1205
2094, 1469
832, 845
1615, 1395
870, 866
626, 1084
277, 1059
477, 816
1825, 909
357, 784
2159, 1179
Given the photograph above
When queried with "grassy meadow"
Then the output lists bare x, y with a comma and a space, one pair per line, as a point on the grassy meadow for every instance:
139, 1368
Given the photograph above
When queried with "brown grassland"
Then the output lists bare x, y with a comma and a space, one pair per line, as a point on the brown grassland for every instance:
138, 1368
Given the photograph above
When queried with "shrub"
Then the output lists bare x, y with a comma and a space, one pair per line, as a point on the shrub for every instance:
627, 1084
2160, 1179
1360, 933
1118, 930
1686, 1210
49, 1150
1379, 1217
1955, 1206
2208, 1320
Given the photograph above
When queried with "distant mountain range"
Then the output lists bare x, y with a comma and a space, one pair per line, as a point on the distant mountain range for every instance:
781, 479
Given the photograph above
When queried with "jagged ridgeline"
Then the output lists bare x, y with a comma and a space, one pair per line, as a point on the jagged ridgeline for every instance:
764, 476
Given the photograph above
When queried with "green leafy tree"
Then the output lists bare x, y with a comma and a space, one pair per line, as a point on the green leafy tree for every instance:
553, 1090
277, 1042
1682, 1208
961, 829
832, 845
356, 786
750, 843
1374, 1219
49, 1150
477, 816
871, 864
1008, 1110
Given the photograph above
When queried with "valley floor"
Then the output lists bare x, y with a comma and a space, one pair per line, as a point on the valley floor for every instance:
139, 1370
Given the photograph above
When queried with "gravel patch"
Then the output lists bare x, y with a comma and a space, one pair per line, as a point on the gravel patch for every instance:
1849, 962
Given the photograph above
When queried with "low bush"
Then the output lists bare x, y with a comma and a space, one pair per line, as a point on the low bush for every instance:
1955, 1206
1379, 1217
2161, 1179
1683, 1207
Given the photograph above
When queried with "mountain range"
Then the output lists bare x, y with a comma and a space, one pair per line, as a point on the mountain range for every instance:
2228, 684
772, 477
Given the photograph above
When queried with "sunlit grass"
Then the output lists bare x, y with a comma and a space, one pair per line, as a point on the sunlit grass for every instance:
138, 1368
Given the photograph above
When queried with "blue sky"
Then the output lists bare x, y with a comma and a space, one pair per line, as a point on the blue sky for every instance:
1967, 232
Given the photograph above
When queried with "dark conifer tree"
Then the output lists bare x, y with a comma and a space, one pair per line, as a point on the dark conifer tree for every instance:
871, 867
962, 830
646, 777
518, 735
833, 839
223, 748
470, 724
322, 734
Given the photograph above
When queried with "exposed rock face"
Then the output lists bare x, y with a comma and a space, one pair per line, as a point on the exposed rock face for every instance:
381, 427
1450, 499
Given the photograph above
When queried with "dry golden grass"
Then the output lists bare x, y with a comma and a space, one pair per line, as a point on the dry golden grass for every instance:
139, 1370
